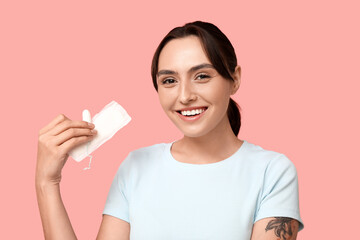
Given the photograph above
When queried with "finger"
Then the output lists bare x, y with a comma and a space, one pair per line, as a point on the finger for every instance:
68, 124
58, 119
71, 133
73, 142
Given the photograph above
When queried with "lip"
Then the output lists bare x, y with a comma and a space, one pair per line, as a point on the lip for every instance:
192, 118
191, 108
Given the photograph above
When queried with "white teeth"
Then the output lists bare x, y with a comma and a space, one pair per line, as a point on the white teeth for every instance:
192, 112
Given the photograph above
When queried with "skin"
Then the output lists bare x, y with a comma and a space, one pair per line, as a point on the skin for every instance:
55, 141
277, 228
208, 140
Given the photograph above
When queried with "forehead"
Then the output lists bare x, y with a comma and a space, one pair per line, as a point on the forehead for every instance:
181, 54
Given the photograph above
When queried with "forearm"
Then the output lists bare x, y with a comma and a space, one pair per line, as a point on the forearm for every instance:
55, 221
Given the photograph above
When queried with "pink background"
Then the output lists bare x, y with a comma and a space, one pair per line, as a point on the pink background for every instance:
299, 96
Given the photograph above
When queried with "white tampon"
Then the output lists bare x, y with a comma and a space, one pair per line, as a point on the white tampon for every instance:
86, 116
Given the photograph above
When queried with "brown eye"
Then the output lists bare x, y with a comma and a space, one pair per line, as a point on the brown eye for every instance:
202, 76
168, 81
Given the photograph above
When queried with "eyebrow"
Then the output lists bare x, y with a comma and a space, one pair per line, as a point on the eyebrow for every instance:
193, 69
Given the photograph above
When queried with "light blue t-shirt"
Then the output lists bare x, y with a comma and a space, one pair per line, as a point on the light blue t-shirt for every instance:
163, 198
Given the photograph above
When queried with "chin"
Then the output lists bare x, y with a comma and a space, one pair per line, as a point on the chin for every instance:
193, 134
192, 130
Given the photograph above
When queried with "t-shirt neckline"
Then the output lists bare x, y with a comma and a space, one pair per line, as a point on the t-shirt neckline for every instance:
172, 160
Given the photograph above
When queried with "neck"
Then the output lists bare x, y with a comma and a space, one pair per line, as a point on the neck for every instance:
218, 144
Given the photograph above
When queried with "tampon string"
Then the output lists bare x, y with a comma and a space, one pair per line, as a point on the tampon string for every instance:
90, 156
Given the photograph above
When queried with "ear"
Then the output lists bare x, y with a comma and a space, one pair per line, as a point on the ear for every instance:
236, 76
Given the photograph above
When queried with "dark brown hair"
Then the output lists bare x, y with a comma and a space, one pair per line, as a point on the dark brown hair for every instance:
218, 49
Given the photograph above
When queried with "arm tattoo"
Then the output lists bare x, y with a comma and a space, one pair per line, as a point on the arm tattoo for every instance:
281, 226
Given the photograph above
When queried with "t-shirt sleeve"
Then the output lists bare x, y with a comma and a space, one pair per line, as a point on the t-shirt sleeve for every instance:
280, 195
117, 204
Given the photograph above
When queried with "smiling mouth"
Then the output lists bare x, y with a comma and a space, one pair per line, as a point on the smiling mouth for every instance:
191, 113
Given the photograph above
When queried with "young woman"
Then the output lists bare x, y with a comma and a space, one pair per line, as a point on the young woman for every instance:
208, 184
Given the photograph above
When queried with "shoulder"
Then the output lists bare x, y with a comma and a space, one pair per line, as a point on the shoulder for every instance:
267, 158
144, 156
140, 161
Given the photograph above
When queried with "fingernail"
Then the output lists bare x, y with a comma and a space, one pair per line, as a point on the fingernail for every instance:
93, 131
91, 124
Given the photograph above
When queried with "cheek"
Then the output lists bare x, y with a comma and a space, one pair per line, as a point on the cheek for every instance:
165, 98
217, 93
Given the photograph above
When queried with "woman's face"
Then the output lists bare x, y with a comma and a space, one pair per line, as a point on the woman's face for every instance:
191, 92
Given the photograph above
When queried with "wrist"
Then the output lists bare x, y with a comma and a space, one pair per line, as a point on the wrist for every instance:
46, 178
43, 184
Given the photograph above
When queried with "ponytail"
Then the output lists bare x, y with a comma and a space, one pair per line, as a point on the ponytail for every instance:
234, 116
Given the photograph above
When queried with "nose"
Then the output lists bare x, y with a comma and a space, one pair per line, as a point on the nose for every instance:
187, 93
